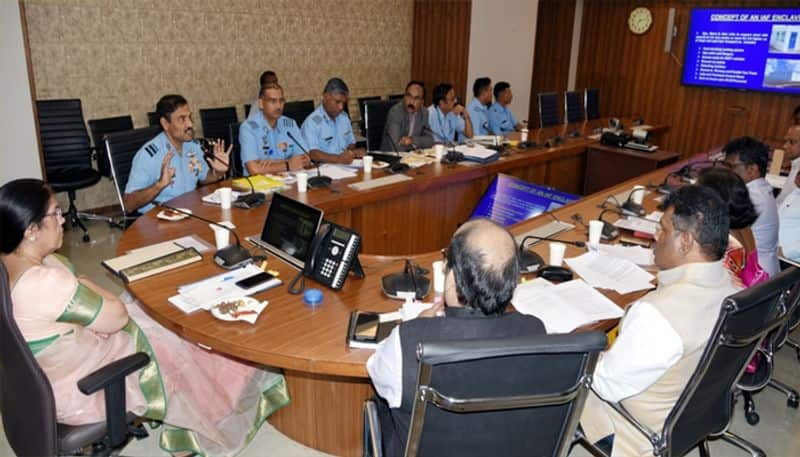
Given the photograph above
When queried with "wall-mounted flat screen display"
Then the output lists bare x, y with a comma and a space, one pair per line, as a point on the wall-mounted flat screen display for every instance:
749, 49
509, 200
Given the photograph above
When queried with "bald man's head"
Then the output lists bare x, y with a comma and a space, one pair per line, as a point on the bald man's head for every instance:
483, 260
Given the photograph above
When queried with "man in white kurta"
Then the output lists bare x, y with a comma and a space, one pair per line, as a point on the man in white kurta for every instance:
791, 148
663, 335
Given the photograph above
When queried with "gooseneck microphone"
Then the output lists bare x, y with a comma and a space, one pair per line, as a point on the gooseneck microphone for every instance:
630, 207
396, 167
229, 257
315, 181
579, 244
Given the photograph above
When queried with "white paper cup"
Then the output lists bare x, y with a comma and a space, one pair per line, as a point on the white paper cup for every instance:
438, 277
302, 182
438, 149
637, 194
225, 197
557, 253
222, 237
498, 140
595, 231
523, 136
367, 161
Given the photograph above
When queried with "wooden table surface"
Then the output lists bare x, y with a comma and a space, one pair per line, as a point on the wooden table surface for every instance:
327, 380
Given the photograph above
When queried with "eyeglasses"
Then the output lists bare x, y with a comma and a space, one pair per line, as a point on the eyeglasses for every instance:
57, 213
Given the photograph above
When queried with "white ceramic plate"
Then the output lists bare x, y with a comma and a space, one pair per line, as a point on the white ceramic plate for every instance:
168, 215
247, 304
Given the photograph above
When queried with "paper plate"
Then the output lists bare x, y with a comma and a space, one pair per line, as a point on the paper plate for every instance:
168, 215
245, 304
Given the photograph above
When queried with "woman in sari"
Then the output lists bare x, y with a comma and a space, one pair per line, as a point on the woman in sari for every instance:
209, 404
741, 258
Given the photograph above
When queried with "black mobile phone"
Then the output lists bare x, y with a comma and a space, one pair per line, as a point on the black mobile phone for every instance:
252, 281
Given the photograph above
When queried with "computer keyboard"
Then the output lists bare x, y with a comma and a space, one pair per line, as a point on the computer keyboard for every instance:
378, 182
545, 231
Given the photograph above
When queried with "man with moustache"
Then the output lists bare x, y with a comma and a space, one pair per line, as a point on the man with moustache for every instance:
407, 125
172, 164
328, 131
271, 142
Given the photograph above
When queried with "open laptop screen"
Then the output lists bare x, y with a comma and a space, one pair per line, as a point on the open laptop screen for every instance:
290, 228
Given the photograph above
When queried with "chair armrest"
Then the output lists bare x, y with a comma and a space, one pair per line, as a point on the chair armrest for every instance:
655, 439
101, 378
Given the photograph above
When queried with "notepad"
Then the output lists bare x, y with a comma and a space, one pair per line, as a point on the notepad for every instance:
154, 260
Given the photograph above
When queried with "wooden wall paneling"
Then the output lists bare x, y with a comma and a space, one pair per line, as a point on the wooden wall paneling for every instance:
637, 78
551, 51
440, 49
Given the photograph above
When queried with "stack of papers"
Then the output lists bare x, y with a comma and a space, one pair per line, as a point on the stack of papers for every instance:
648, 224
333, 171
564, 307
214, 198
210, 291
636, 254
607, 272
477, 152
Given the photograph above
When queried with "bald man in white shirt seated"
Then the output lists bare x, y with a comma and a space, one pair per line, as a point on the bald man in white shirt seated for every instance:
664, 334
791, 156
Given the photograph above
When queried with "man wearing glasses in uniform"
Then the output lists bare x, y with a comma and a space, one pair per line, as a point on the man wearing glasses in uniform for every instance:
407, 125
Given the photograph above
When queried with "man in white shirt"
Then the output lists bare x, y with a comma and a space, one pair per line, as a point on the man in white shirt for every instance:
789, 215
791, 149
748, 158
481, 274
663, 335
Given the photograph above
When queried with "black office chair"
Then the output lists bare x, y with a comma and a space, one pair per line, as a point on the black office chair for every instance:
573, 107
299, 110
548, 109
247, 110
509, 397
28, 406
591, 102
236, 169
153, 119
375, 114
120, 149
394, 97
705, 407
216, 121
100, 127
67, 153
361, 102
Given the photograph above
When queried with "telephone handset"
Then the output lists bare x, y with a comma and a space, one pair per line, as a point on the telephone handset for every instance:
333, 253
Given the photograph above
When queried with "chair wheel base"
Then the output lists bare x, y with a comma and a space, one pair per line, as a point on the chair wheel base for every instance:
86, 238
752, 417
793, 401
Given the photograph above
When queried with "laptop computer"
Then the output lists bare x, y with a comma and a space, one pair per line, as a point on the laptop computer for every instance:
289, 230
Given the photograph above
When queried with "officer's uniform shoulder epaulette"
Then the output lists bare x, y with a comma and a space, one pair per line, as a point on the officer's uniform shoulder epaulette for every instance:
287, 122
253, 124
151, 149
317, 119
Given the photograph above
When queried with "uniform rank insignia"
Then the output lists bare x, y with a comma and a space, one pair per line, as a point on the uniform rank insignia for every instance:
317, 118
151, 150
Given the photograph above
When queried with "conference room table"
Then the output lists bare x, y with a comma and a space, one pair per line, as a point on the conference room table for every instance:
327, 380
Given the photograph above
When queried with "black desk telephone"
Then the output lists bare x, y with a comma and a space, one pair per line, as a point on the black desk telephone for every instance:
333, 253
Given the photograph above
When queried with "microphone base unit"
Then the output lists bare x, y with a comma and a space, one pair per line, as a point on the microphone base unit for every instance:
529, 261
251, 200
630, 208
232, 257
319, 181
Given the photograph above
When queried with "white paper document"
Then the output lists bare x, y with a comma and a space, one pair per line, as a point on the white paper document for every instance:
333, 171
207, 292
776, 181
564, 307
607, 272
636, 254
476, 151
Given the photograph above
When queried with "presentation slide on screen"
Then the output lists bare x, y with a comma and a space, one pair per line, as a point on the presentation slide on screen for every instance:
509, 200
755, 49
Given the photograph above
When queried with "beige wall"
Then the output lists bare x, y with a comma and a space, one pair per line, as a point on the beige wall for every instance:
19, 150
119, 57
501, 44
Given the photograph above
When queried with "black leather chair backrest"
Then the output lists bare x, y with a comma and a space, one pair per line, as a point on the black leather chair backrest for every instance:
548, 109
26, 397
375, 113
706, 405
523, 395
298, 110
236, 153
153, 119
120, 148
592, 104
394, 97
216, 121
99, 128
246, 110
65, 143
573, 107
363, 101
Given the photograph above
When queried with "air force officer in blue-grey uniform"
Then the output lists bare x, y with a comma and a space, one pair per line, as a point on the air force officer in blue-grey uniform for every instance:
328, 130
172, 164
271, 142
